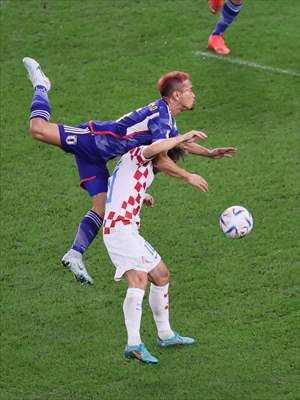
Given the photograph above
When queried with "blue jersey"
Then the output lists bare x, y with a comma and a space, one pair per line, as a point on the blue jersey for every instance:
137, 128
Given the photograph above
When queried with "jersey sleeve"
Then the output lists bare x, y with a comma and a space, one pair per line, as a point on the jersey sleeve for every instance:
136, 154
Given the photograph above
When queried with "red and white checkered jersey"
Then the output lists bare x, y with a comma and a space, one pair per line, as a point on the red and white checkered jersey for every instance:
126, 189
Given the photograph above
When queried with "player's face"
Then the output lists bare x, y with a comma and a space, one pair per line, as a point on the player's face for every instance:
187, 96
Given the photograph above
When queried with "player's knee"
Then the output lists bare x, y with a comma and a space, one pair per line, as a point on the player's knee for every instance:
163, 278
141, 281
136, 279
37, 126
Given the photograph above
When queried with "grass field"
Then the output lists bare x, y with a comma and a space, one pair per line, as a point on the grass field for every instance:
239, 299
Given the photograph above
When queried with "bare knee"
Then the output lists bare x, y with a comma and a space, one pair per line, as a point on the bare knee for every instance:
136, 279
160, 275
162, 279
139, 281
37, 128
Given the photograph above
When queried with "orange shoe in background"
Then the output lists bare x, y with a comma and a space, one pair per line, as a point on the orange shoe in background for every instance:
217, 44
215, 5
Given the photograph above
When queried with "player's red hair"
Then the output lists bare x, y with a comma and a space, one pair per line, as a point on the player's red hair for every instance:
171, 81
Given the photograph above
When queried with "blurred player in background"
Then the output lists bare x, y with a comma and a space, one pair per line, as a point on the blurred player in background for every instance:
229, 12
135, 259
93, 143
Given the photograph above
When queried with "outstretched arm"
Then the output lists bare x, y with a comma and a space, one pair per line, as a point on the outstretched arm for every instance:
165, 145
164, 163
219, 152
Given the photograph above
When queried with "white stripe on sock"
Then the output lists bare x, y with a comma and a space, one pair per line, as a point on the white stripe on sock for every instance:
40, 112
95, 218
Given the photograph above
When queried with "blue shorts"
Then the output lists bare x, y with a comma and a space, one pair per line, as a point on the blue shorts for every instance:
92, 170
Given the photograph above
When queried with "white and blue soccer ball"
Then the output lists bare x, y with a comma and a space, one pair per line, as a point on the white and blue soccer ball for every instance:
236, 222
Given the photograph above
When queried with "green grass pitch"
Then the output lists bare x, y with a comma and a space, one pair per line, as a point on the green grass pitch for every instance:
239, 299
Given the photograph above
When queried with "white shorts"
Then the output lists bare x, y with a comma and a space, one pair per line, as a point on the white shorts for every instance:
129, 250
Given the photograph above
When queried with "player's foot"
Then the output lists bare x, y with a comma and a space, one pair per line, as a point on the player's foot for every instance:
35, 73
218, 45
140, 353
73, 261
175, 340
215, 6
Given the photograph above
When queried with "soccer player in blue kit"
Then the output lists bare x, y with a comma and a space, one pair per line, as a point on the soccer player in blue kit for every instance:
94, 143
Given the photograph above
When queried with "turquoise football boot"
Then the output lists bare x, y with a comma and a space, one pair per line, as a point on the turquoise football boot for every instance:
140, 353
175, 340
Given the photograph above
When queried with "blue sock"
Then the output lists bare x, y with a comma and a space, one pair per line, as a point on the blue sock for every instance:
40, 106
229, 12
87, 231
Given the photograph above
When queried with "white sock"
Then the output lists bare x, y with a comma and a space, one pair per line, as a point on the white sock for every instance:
159, 303
132, 308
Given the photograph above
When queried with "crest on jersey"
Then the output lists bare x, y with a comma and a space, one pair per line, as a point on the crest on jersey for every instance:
152, 107
71, 139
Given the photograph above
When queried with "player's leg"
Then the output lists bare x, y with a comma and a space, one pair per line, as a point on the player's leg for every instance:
159, 299
90, 224
159, 303
132, 309
71, 140
230, 11
45, 131
87, 231
132, 306
40, 126
126, 249
93, 178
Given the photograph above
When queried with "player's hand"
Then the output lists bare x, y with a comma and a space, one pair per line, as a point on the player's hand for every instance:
192, 136
149, 200
198, 181
222, 152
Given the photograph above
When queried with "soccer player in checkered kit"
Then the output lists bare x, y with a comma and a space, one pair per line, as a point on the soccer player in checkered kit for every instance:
135, 259
95, 142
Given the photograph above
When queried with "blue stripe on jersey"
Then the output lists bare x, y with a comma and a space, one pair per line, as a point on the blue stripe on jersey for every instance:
137, 128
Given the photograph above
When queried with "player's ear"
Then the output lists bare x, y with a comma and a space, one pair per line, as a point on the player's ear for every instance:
176, 95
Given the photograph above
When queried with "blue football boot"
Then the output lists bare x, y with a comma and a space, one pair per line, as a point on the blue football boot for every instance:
140, 353
175, 340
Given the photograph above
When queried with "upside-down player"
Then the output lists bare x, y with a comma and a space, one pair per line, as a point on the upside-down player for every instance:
95, 142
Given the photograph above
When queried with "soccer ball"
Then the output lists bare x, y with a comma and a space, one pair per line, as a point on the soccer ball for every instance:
236, 222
